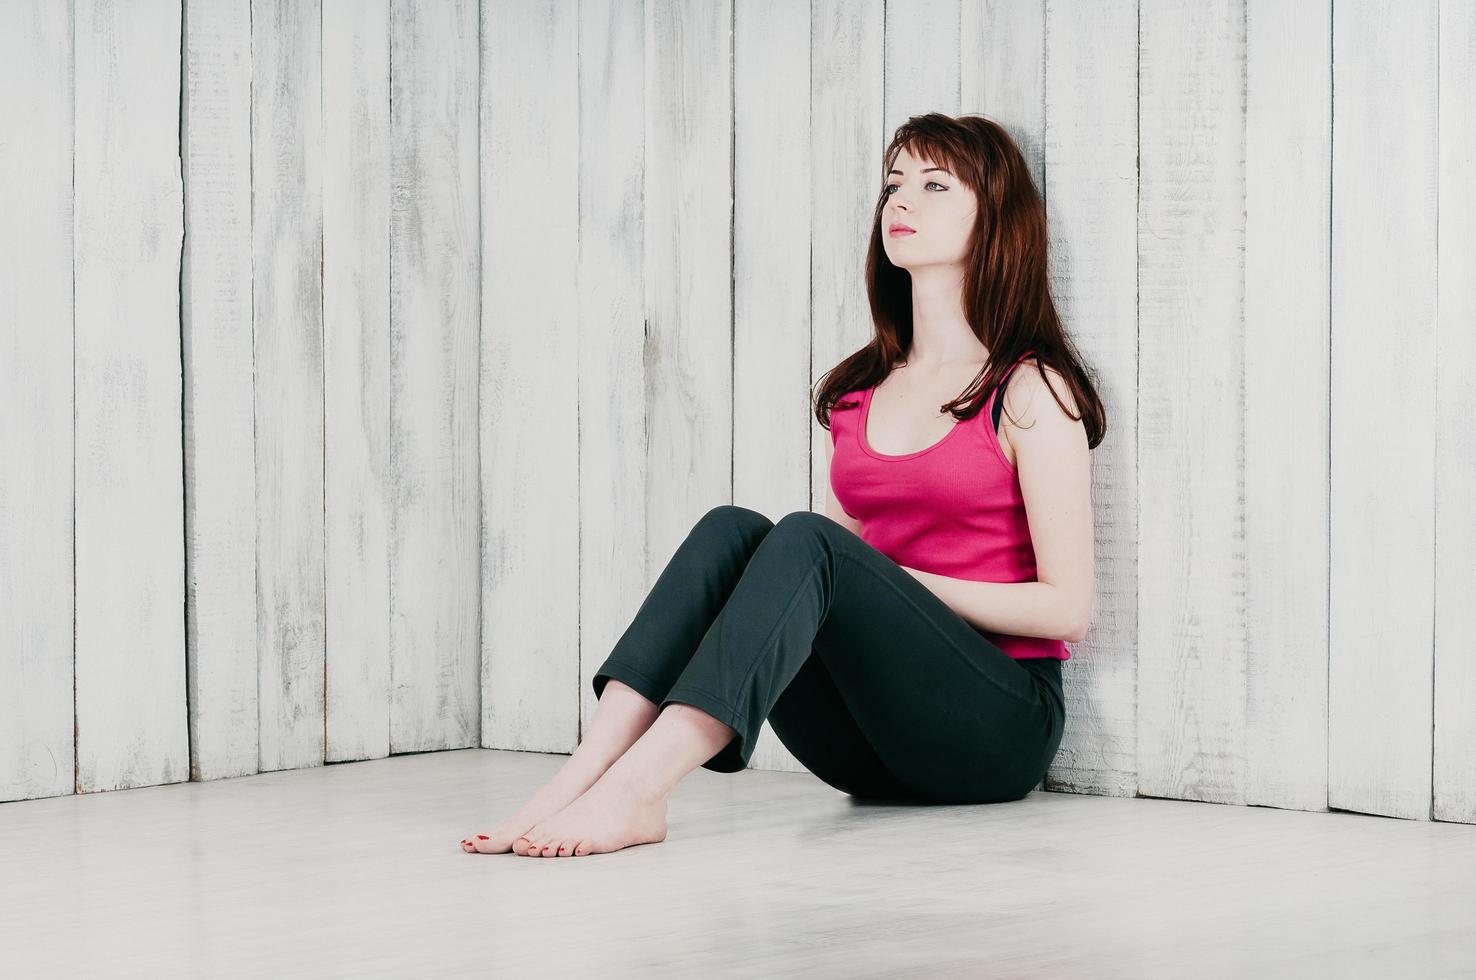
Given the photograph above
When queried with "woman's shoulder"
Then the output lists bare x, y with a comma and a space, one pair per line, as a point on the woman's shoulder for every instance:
1025, 388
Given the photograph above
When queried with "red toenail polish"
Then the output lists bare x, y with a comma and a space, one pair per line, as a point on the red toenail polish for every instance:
481, 837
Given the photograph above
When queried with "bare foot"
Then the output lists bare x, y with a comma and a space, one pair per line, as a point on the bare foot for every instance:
610, 815
556, 794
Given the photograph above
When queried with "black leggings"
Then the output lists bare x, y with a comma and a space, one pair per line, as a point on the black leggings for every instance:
871, 681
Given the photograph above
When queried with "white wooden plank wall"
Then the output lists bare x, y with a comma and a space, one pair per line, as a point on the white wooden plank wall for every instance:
409, 340
1285, 459
356, 377
613, 575
1090, 183
1454, 680
772, 224
287, 300
128, 486
37, 740
845, 140
435, 311
1002, 65
219, 388
532, 397
1382, 407
687, 251
1191, 574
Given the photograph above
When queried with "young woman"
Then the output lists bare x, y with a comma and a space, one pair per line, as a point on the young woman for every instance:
906, 644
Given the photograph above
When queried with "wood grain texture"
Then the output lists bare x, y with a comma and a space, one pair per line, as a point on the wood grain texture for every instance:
612, 579
37, 752
846, 141
771, 274
921, 61
299, 420
846, 180
435, 309
531, 375
1002, 70
129, 224
1383, 359
1454, 772
1191, 548
356, 377
219, 384
1288, 162
1091, 189
688, 271
287, 285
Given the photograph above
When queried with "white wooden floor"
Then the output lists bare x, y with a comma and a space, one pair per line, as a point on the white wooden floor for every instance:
355, 871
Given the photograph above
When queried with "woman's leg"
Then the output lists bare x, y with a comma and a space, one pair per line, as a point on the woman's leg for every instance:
947, 712
623, 716
688, 595
659, 644
813, 721
683, 605
648, 657
941, 706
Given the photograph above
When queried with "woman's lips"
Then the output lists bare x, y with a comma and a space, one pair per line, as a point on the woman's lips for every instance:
899, 232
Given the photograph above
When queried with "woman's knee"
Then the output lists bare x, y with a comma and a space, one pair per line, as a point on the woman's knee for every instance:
732, 517
807, 521
807, 529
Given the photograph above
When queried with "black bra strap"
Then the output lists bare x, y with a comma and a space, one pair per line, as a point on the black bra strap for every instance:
999, 397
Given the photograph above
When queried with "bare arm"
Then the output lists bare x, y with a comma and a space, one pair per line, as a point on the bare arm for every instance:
1012, 608
1054, 467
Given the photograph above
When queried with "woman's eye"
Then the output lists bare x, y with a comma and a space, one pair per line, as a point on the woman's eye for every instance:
931, 183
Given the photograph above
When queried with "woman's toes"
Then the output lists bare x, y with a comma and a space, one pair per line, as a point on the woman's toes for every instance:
466, 845
536, 837
485, 844
566, 848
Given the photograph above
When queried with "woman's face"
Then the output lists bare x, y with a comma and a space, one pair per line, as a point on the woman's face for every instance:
935, 204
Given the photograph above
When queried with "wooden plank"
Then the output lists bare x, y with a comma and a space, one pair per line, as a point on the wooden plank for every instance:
1454, 795
773, 195
129, 225
1288, 158
37, 753
287, 232
356, 383
688, 200
921, 66
434, 315
1002, 68
530, 441
1383, 403
611, 336
1002, 75
1191, 230
1089, 160
846, 180
219, 421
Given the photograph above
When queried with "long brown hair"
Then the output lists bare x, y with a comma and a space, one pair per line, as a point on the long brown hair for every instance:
1007, 297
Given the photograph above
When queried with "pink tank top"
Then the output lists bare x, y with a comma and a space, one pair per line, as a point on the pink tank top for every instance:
954, 508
